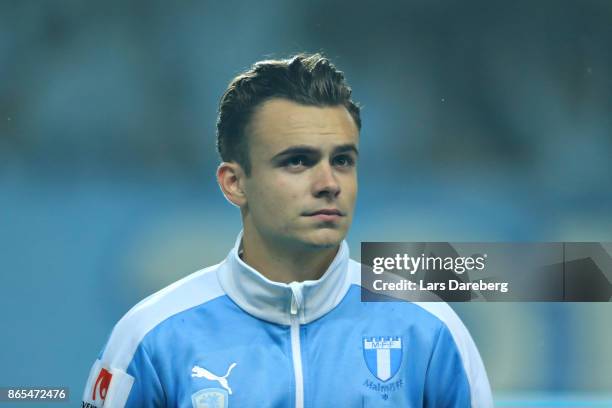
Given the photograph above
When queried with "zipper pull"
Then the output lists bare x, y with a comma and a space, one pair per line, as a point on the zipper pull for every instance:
296, 298
294, 306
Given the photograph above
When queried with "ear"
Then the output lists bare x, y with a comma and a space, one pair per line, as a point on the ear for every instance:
230, 177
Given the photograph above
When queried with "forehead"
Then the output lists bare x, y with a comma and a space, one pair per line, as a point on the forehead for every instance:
279, 123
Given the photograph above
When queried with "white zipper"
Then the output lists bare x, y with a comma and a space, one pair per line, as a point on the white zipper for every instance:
296, 350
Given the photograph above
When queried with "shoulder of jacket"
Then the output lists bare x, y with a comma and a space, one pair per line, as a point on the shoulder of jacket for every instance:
193, 290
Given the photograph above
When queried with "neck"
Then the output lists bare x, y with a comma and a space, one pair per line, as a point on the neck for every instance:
285, 264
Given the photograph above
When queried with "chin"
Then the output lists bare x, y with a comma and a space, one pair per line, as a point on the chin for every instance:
325, 238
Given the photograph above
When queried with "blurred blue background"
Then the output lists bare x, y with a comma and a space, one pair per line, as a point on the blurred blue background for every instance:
482, 122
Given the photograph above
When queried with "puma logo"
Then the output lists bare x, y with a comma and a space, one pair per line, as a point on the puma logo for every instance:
198, 371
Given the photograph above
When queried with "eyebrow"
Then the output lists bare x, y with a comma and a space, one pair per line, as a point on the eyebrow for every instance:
309, 150
349, 147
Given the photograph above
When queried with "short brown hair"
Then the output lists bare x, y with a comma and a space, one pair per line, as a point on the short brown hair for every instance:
309, 79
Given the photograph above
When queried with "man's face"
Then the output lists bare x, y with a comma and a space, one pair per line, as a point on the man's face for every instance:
303, 181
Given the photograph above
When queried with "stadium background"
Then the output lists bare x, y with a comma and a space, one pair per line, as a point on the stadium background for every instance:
482, 122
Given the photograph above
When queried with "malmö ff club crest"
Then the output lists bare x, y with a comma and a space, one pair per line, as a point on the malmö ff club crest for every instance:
383, 356
210, 398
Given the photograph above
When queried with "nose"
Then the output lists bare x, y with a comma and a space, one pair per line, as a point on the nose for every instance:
326, 182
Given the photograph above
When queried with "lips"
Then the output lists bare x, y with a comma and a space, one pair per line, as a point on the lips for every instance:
328, 216
326, 211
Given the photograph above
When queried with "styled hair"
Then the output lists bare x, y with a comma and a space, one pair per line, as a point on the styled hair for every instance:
308, 79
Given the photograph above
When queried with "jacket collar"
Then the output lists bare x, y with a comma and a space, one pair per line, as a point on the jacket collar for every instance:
279, 302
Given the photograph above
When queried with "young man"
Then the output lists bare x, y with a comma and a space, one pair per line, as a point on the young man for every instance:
279, 323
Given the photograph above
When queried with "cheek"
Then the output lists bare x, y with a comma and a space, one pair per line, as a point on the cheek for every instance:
350, 187
275, 198
286, 197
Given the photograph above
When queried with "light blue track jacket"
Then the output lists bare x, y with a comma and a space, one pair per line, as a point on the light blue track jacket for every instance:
226, 336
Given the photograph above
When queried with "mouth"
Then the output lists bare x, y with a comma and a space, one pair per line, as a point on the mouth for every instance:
326, 214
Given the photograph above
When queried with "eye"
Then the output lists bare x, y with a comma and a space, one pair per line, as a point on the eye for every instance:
296, 161
344, 161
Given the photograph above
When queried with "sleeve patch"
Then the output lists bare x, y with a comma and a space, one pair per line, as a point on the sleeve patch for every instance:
107, 387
